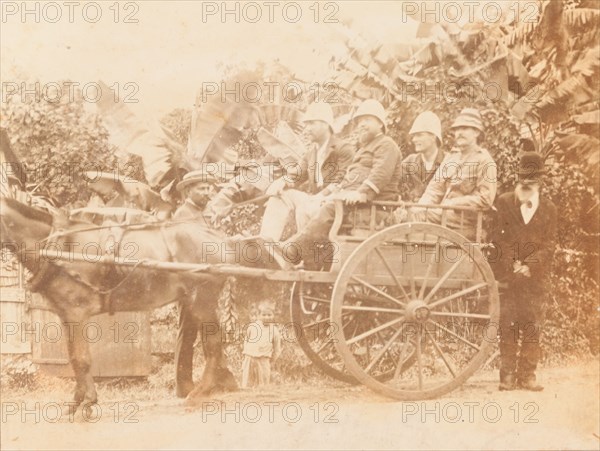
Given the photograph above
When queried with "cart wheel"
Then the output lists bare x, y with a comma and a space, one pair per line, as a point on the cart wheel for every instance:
431, 294
309, 310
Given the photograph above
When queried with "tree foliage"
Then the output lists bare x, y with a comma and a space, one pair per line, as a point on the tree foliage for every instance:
58, 141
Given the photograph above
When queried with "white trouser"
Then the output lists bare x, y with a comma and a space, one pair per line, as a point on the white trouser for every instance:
278, 209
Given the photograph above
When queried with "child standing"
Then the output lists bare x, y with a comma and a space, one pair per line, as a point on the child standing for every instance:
261, 346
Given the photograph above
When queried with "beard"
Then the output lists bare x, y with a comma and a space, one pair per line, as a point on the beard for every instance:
525, 194
366, 137
201, 201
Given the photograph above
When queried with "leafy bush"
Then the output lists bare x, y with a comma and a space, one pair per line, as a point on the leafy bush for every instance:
20, 372
58, 141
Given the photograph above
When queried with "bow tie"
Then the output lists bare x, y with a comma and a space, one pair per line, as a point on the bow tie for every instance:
527, 203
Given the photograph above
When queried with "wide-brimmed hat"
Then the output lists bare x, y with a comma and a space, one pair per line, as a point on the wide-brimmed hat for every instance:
372, 107
469, 117
193, 177
531, 167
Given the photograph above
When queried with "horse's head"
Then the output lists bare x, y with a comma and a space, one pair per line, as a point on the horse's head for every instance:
23, 227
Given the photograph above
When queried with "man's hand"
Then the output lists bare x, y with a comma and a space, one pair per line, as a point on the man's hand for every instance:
519, 268
351, 197
525, 271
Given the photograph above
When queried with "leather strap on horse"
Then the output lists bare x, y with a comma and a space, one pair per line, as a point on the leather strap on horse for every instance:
43, 272
107, 298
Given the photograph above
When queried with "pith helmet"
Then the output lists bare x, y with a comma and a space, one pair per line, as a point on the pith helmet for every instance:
319, 111
427, 122
372, 108
199, 176
469, 117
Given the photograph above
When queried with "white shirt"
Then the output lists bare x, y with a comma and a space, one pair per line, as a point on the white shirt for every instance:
320, 160
528, 211
429, 164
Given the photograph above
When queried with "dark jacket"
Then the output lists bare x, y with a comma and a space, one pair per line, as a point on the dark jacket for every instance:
338, 157
375, 170
414, 178
532, 244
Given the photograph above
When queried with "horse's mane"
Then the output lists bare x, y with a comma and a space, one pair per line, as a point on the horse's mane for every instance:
29, 212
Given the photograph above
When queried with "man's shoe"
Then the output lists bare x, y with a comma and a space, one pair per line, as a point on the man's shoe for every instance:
530, 385
507, 383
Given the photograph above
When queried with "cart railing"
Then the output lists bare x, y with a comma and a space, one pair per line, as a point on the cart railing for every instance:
349, 223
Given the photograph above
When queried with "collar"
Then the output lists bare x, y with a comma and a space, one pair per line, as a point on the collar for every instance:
433, 160
535, 200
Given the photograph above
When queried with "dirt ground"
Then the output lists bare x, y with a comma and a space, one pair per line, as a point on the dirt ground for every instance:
334, 416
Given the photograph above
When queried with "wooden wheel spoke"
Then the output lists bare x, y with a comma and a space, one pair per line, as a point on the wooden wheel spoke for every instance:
315, 323
411, 265
457, 294
444, 278
441, 353
316, 299
461, 315
389, 268
377, 290
424, 284
454, 334
324, 345
383, 350
419, 363
321, 321
364, 308
373, 331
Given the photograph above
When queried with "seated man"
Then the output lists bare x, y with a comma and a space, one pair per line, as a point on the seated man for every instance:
325, 163
418, 168
373, 175
466, 178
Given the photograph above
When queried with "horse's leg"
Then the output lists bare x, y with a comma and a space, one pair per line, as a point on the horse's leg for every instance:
81, 361
216, 375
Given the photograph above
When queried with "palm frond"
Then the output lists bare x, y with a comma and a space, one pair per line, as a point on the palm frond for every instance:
578, 17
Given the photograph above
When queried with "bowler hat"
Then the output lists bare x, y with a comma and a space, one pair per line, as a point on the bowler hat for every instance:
193, 177
531, 167
469, 117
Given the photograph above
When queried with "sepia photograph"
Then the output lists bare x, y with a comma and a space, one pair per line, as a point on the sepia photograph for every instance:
300, 225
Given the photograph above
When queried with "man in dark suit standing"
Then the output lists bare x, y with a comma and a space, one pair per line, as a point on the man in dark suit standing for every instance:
524, 238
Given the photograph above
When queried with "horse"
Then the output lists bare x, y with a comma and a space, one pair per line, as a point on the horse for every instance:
77, 290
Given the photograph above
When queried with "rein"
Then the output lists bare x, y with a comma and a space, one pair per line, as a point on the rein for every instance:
132, 226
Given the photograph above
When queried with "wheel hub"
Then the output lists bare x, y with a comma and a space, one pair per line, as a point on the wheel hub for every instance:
417, 311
